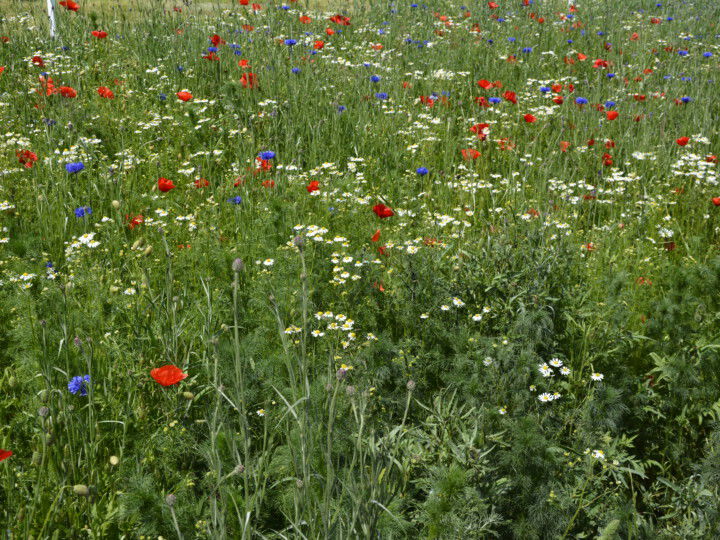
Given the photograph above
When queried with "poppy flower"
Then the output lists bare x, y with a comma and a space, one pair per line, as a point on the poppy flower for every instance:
4, 454
716, 201
68, 92
375, 237
248, 80
469, 154
510, 96
216, 40
559, 100
183, 95
165, 185
168, 375
318, 44
70, 5
201, 183
383, 211
2, 68
607, 159
105, 92
612, 115
134, 221
529, 118
305, 19
564, 145
682, 141
26, 158
341, 20
711, 159
485, 85
481, 130
100, 34
313, 186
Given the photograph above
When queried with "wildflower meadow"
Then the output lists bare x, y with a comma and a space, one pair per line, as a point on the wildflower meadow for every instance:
442, 269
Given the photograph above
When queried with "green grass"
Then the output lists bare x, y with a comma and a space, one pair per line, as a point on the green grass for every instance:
526, 346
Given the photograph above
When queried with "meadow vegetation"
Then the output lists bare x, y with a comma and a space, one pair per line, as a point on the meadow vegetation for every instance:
398, 270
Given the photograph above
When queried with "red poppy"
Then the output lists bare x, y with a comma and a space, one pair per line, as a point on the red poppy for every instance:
564, 145
639, 97
313, 186
529, 118
211, 56
305, 19
248, 80
68, 92
481, 130
268, 183
485, 85
716, 201
201, 183
612, 115
244, 2
329, 31
510, 96
607, 159
2, 68
38, 61
165, 185
105, 92
339, 19
70, 5
168, 375
493, 5
4, 454
318, 45
582, 57
559, 100
134, 221
216, 40
711, 159
383, 211
184, 96
375, 237
682, 141
469, 154
248, 28
100, 34
243, 63
26, 158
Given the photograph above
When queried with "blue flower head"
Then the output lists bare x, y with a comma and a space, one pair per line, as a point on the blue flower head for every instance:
78, 385
73, 168
581, 101
544, 89
375, 78
422, 171
494, 100
683, 53
527, 49
267, 155
381, 95
707, 54
162, 97
341, 108
237, 199
290, 42
83, 211
609, 104
686, 99
295, 70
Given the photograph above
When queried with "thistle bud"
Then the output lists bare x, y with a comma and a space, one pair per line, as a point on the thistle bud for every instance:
411, 385
238, 265
170, 499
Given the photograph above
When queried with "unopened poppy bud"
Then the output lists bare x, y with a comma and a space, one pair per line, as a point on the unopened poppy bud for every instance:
411, 385
170, 499
188, 395
115, 204
81, 490
114, 460
148, 250
238, 265
140, 242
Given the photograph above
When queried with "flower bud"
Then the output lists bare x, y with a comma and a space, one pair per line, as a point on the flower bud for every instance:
341, 374
148, 250
238, 265
170, 499
114, 460
116, 204
188, 395
81, 490
411, 385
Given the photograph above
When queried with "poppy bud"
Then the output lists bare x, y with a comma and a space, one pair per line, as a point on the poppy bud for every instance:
81, 490
116, 204
170, 499
188, 395
148, 250
114, 460
238, 265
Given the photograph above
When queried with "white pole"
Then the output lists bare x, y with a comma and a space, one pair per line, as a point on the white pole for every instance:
51, 14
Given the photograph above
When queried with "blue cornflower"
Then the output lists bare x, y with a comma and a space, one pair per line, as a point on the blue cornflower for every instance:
295, 70
686, 99
422, 171
610, 75
527, 49
545, 89
375, 78
73, 168
569, 41
683, 53
77, 385
341, 108
413, 5
180, 69
609, 104
237, 199
49, 264
162, 97
511, 39
83, 211
686, 79
707, 54
49, 121
284, 7
212, 49
581, 101
238, 52
290, 42
267, 155
494, 100
381, 95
